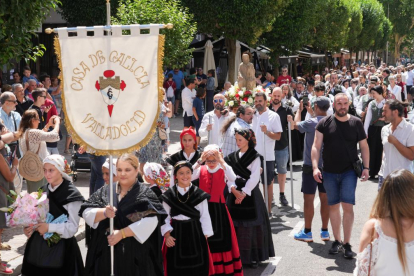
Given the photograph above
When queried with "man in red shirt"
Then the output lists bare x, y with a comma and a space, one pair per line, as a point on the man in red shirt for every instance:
284, 78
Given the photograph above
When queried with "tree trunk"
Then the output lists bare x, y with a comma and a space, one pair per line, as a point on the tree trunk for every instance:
398, 40
276, 64
231, 57
350, 58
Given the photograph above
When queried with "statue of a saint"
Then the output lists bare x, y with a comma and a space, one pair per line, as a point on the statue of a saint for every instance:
246, 76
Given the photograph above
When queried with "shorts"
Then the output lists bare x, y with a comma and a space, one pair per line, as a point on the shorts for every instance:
282, 158
177, 94
188, 120
197, 124
270, 172
171, 99
340, 187
408, 89
309, 184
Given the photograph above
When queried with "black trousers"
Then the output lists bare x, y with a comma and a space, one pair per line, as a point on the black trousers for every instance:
375, 149
188, 120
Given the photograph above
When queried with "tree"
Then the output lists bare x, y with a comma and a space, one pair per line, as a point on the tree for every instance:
400, 13
177, 40
86, 13
332, 28
291, 30
355, 26
383, 34
372, 18
235, 20
18, 22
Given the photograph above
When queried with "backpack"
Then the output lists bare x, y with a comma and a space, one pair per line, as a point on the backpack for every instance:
170, 91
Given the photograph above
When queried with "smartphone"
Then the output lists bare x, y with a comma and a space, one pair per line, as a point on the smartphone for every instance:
12, 156
305, 100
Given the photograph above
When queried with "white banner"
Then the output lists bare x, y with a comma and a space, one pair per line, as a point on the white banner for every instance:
111, 87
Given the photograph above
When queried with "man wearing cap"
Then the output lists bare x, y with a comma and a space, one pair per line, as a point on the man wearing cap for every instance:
309, 185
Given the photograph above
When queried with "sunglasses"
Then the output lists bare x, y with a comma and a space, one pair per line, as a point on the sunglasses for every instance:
43, 97
219, 100
12, 101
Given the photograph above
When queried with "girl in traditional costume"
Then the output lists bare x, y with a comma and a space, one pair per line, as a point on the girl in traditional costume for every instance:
188, 151
223, 244
246, 204
136, 237
64, 257
157, 177
187, 227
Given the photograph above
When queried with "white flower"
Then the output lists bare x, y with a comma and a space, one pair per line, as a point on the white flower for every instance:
250, 100
231, 103
236, 86
241, 93
242, 102
232, 93
244, 89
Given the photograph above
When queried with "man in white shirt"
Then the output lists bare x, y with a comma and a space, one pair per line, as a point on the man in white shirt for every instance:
397, 139
394, 88
217, 117
409, 82
267, 127
187, 98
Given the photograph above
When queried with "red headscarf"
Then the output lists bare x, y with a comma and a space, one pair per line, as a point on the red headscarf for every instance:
189, 131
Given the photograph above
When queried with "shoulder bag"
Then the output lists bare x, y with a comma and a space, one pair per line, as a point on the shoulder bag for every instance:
30, 165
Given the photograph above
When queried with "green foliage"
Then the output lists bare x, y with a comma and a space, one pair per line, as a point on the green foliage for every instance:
292, 29
86, 13
383, 34
372, 17
355, 24
236, 20
18, 22
331, 30
400, 14
177, 40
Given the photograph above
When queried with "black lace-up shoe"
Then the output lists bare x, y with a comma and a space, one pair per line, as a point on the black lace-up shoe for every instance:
336, 247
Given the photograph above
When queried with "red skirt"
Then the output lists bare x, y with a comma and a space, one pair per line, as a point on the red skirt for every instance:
226, 262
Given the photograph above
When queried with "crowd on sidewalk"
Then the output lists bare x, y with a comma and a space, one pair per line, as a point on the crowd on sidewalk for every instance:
202, 212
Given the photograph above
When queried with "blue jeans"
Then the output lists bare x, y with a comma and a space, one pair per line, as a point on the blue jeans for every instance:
97, 180
340, 187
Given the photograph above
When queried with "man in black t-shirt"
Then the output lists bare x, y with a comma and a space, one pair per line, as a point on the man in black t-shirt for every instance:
281, 146
202, 78
340, 134
39, 96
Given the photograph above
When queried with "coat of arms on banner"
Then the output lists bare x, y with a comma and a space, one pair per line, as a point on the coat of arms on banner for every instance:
109, 87
111, 91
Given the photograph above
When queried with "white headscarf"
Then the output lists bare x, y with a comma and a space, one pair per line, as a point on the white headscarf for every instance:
106, 165
212, 147
59, 162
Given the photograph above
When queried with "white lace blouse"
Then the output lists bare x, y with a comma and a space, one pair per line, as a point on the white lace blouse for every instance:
384, 257
38, 138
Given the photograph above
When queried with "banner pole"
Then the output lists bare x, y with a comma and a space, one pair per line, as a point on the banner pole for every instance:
265, 173
291, 166
111, 161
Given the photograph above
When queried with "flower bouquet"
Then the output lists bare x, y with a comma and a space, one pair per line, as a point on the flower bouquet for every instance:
26, 209
236, 96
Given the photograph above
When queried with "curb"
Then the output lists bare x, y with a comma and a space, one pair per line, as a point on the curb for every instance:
16, 264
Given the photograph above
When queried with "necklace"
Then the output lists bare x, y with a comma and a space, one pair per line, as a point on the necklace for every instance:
188, 196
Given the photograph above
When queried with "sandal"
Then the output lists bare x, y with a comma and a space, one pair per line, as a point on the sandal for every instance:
6, 270
5, 246
66, 151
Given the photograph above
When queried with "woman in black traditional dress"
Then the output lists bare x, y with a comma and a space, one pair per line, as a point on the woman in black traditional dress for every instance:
188, 151
246, 204
187, 227
64, 257
136, 240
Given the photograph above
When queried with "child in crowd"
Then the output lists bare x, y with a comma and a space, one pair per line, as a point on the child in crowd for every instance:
52, 147
157, 177
27, 75
198, 110
214, 176
187, 226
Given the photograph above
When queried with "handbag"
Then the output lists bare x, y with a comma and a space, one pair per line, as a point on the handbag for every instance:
30, 165
357, 165
162, 133
364, 261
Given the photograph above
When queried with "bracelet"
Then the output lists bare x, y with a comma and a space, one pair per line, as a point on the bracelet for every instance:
105, 214
123, 234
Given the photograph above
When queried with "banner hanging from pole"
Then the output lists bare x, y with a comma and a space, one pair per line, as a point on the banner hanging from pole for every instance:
111, 86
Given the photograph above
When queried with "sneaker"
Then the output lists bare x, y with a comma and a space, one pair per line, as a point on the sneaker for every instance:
336, 247
283, 200
325, 235
348, 253
254, 265
302, 236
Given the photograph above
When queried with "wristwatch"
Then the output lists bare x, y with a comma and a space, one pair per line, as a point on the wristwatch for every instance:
365, 168
200, 162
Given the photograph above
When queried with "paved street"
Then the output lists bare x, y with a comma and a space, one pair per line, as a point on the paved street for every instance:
293, 257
